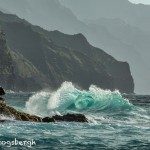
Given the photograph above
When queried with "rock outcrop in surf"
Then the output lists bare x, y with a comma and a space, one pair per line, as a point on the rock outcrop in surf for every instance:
2, 92
21, 116
67, 117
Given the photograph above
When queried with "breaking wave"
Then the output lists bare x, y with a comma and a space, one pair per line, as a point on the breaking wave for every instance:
68, 97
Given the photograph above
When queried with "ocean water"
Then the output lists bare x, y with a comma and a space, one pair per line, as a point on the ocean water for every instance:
116, 122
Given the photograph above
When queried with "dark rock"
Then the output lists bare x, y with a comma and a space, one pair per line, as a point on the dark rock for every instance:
58, 118
2, 121
71, 118
21, 116
24, 117
35, 119
48, 119
2, 92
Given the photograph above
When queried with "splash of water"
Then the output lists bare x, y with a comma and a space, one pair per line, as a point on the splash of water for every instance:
67, 97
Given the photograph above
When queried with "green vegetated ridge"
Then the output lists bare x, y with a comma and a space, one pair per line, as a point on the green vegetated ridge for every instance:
44, 59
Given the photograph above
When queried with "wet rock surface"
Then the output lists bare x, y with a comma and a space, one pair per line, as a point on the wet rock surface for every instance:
21, 116
67, 117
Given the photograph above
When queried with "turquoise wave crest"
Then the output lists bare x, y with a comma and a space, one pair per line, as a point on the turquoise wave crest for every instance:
68, 97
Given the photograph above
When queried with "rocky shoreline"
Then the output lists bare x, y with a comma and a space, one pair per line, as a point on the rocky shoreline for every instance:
22, 116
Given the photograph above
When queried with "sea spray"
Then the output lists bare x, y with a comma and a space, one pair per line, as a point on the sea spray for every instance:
37, 103
68, 97
63, 97
3, 117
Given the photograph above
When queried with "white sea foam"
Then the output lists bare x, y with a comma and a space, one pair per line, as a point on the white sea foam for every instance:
67, 97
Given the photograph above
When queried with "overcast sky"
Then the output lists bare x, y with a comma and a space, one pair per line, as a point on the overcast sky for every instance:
141, 1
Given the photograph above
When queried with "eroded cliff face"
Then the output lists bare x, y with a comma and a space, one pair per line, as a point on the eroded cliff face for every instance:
57, 63
6, 66
119, 71
42, 64
17, 73
43, 59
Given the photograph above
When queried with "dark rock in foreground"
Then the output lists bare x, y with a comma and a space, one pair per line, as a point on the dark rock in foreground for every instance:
68, 117
11, 112
21, 116
2, 92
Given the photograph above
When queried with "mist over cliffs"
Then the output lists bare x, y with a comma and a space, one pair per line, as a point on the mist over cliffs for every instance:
134, 14
122, 29
49, 14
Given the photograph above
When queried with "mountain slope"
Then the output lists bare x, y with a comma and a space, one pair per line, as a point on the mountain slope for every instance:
54, 16
6, 66
57, 17
79, 43
122, 29
134, 14
57, 63
137, 52
61, 62
17, 73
